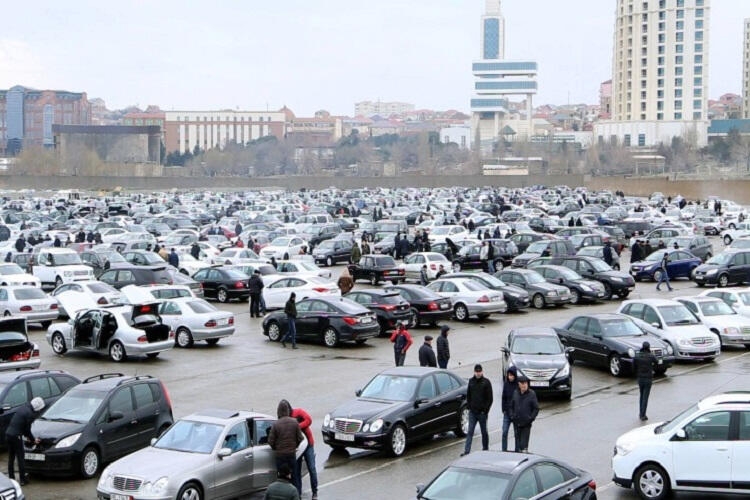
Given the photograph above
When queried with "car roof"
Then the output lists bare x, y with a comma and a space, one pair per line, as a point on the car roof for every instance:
496, 461
6, 377
220, 416
108, 381
410, 371
604, 316
376, 291
726, 398
651, 302
534, 330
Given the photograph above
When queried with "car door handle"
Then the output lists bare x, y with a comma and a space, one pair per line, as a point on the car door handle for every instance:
438, 403
722, 449
134, 422
249, 455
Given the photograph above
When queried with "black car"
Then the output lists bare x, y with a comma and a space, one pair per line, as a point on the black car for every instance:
516, 297
522, 240
580, 288
727, 268
103, 418
426, 306
399, 406
630, 227
377, 268
20, 387
615, 282
330, 252
611, 340
547, 248
468, 256
542, 293
223, 283
537, 353
136, 275
143, 258
319, 233
509, 476
545, 225
326, 320
101, 261
388, 306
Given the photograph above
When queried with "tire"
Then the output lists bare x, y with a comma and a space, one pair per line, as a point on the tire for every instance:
567, 395
624, 294
212, 342
152, 355
483, 316
615, 365
117, 352
46, 324
651, 482
286, 256
616, 267
274, 332
190, 491
90, 462
607, 291
330, 337
329, 261
723, 281
7, 313
727, 240
575, 297
360, 341
397, 441
374, 279
183, 338
657, 275
58, 343
221, 295
456, 267
414, 320
58, 281
461, 312
538, 301
462, 426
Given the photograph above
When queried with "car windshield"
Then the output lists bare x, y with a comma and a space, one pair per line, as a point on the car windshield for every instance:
8, 269
458, 482
75, 406
201, 306
599, 265
326, 245
65, 259
29, 294
720, 259
390, 388
385, 261
190, 437
234, 274
716, 308
440, 230
619, 328
569, 274
533, 278
745, 297
655, 257
281, 242
100, 288
591, 251
474, 286
537, 247
671, 425
536, 344
677, 315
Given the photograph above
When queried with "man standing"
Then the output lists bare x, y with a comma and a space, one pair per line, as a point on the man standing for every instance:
423, 278
664, 275
426, 354
255, 285
524, 409
483, 254
636, 253
645, 363
510, 386
356, 254
195, 250
443, 347
173, 259
607, 253
490, 255
305, 421
285, 437
290, 309
282, 488
20, 427
479, 401
402, 340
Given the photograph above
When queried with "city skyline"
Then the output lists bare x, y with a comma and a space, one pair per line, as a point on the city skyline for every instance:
261, 57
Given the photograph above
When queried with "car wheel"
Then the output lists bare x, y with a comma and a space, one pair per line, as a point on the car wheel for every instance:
274, 331
538, 301
329, 261
727, 240
462, 426
651, 482
373, 279
461, 312
414, 319
607, 291
456, 267
615, 365
117, 351
221, 295
212, 341
499, 266
190, 491
184, 338
331, 337
58, 281
397, 441
575, 297
90, 462
657, 275
58, 343
723, 280
624, 294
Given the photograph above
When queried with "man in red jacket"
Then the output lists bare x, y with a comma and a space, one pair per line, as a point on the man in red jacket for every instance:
402, 340
305, 423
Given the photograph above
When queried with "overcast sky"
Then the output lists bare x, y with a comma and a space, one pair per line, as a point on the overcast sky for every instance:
317, 54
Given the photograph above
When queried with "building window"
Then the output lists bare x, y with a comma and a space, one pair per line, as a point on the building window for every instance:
643, 95
660, 61
661, 49
698, 12
678, 105
697, 115
660, 105
698, 36
698, 59
626, 140
678, 116
678, 48
659, 116
659, 71
660, 83
680, 14
659, 94
697, 104
698, 70
678, 93
678, 59
680, 36
662, 4
698, 81
680, 3
678, 71
643, 106
699, 24
644, 83
697, 92
662, 26
679, 25
678, 82
662, 15
641, 139
699, 47
662, 38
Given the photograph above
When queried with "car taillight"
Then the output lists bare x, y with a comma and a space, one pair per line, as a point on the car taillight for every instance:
432, 306
210, 323
102, 300
231, 320
142, 338
23, 356
401, 271
433, 267
349, 320
483, 298
25, 308
592, 484
239, 284
35, 353
387, 308
321, 290
53, 306
166, 394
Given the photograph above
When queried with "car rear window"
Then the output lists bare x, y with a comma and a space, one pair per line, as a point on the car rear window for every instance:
391, 298
233, 274
29, 294
199, 306
101, 288
385, 261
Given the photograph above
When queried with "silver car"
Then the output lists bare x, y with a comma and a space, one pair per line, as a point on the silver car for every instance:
16, 350
209, 454
195, 319
30, 302
469, 297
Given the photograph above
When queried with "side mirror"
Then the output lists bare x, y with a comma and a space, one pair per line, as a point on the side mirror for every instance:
224, 453
420, 488
116, 415
656, 325
358, 392
419, 402
680, 435
505, 350
561, 281
153, 441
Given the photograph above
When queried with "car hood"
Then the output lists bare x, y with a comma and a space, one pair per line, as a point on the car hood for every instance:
152, 463
527, 256
638, 435
367, 409
549, 287
707, 267
726, 320
538, 362
48, 429
74, 302
636, 341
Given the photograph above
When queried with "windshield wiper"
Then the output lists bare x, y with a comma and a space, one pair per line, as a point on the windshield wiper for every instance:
60, 419
683, 322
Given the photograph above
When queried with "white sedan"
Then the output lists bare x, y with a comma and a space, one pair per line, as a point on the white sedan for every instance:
101, 292
12, 274
194, 320
277, 293
302, 268
469, 297
29, 302
235, 255
413, 264
717, 315
737, 298
189, 265
455, 232
283, 247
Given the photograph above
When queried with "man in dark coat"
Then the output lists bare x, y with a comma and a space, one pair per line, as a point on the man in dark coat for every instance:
479, 401
426, 354
404, 247
20, 244
644, 363
20, 427
173, 259
282, 488
290, 309
636, 254
443, 347
255, 285
195, 251
510, 386
285, 437
524, 410
607, 253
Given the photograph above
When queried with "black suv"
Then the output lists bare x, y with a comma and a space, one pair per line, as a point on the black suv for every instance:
319, 233
377, 268
136, 275
468, 256
388, 306
332, 251
104, 418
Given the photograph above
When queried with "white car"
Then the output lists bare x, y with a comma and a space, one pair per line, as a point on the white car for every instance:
277, 293
114, 234
101, 292
283, 247
740, 229
673, 322
455, 232
302, 268
732, 328
469, 297
189, 265
29, 302
12, 274
413, 265
235, 255
194, 320
694, 451
737, 298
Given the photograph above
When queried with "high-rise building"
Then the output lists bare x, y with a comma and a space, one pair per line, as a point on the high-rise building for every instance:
746, 71
660, 72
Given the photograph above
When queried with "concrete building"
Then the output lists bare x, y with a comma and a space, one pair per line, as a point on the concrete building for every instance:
319, 130
27, 116
458, 134
605, 100
111, 143
746, 70
385, 109
660, 71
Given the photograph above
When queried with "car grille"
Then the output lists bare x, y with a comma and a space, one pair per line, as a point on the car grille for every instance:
123, 483
745, 330
540, 374
702, 341
8, 494
347, 425
80, 273
657, 352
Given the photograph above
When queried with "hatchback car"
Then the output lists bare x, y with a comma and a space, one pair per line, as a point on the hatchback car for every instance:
389, 306
696, 245
433, 260
727, 268
330, 252
680, 264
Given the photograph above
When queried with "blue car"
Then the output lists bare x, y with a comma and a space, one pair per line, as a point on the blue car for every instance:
680, 265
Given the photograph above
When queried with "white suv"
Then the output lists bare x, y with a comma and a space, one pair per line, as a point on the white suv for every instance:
55, 266
706, 448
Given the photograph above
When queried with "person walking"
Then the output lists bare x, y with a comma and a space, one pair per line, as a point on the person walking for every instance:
490, 256
423, 278
524, 410
345, 282
443, 347
636, 252
356, 254
479, 401
402, 340
195, 251
285, 438
290, 309
427, 354
510, 386
282, 488
644, 363
664, 275
305, 422
173, 259
255, 285
607, 253
20, 427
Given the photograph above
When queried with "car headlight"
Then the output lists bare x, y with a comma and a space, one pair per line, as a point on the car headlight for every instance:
616, 279
376, 425
104, 478
67, 274
551, 294
623, 449
68, 441
684, 342
631, 352
586, 288
731, 330
669, 349
326, 420
156, 488
564, 371
712, 272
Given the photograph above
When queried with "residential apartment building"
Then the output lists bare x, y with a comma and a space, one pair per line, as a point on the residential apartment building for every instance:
746, 71
384, 109
319, 130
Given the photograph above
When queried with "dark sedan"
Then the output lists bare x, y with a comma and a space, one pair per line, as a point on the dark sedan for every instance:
377, 268
611, 340
501, 475
388, 306
330, 252
426, 305
468, 256
615, 282
680, 264
516, 297
542, 293
121, 277
326, 320
580, 288
537, 353
399, 406
223, 283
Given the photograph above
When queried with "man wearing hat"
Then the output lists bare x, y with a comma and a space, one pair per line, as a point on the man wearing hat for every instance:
524, 410
479, 401
443, 347
20, 427
644, 363
426, 354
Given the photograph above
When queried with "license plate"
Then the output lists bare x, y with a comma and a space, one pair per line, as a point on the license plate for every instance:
340, 436
117, 496
660, 361
223, 322
600, 294
39, 457
633, 272
540, 383
366, 320
445, 306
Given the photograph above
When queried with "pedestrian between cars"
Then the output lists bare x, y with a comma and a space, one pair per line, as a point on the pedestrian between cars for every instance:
644, 363
607, 253
290, 309
285, 438
524, 410
427, 354
345, 282
402, 340
305, 424
365, 246
664, 275
20, 427
440, 272
255, 285
356, 254
479, 401
510, 386
423, 279
443, 347
636, 252
173, 259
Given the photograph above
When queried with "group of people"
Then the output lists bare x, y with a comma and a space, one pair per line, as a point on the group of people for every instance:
402, 341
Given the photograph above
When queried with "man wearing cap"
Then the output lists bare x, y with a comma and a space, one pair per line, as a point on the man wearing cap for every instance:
644, 362
524, 410
479, 401
426, 354
20, 427
443, 347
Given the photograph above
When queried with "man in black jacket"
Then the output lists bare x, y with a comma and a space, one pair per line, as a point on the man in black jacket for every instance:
524, 409
290, 309
443, 347
479, 401
426, 354
20, 427
510, 386
255, 284
644, 364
